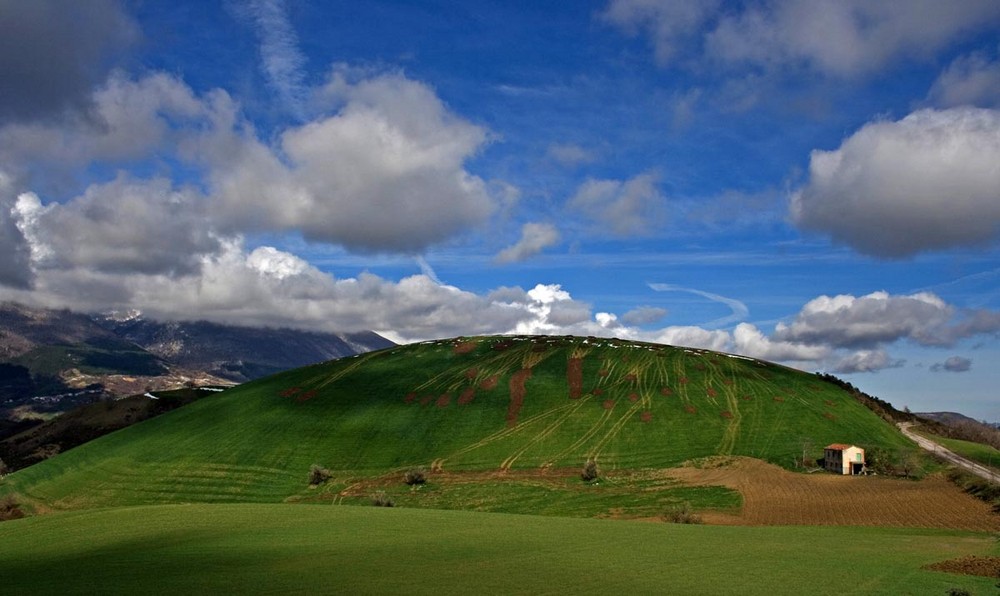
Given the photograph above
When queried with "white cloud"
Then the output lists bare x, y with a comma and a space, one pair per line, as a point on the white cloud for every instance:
634, 206
750, 341
879, 318
972, 80
669, 24
845, 38
15, 267
535, 237
385, 173
865, 361
927, 182
122, 226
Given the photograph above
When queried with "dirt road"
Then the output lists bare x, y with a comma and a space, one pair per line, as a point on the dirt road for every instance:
949, 456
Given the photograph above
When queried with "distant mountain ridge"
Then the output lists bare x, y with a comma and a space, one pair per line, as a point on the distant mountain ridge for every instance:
51, 360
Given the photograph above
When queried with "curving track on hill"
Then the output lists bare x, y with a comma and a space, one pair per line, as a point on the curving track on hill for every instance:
948, 455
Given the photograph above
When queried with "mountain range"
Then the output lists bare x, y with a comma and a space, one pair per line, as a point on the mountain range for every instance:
53, 360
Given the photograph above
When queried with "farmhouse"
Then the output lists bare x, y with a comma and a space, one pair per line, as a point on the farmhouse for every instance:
844, 459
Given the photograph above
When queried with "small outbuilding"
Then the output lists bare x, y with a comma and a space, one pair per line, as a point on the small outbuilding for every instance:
840, 458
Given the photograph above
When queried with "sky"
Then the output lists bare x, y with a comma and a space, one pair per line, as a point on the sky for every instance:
810, 182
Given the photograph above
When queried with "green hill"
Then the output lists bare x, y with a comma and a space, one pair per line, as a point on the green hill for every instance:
471, 405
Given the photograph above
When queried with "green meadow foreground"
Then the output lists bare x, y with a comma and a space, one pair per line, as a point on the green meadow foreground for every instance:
244, 548
216, 496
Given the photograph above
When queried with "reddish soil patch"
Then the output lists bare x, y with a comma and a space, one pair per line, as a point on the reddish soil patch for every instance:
712, 392
290, 392
646, 416
727, 382
667, 391
464, 347
603, 372
727, 415
517, 393
691, 409
699, 367
467, 396
426, 400
773, 496
631, 378
829, 403
410, 397
971, 565
608, 404
500, 346
683, 380
778, 399
574, 377
829, 416
472, 373
633, 397
443, 401
598, 391
306, 396
489, 383
747, 398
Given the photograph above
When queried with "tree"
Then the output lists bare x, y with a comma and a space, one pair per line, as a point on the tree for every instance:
590, 471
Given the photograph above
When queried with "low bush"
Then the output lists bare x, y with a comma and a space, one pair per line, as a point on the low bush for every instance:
10, 509
381, 499
318, 475
590, 471
415, 476
682, 514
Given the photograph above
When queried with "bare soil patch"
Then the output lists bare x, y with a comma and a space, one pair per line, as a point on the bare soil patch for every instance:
773, 496
464, 347
971, 565
517, 392
468, 394
574, 377
489, 383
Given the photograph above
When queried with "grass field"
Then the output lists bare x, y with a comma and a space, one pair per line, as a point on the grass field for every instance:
293, 549
977, 452
472, 405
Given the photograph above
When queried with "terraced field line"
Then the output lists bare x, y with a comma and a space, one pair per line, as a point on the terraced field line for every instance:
732, 431
541, 436
506, 432
332, 378
593, 430
614, 430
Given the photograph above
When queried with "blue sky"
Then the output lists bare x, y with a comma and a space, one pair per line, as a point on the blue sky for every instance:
814, 183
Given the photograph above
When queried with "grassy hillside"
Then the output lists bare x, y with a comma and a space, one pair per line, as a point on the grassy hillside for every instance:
364, 550
481, 404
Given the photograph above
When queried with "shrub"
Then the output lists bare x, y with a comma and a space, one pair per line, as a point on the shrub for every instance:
415, 476
590, 471
682, 514
381, 499
10, 509
3, 468
318, 475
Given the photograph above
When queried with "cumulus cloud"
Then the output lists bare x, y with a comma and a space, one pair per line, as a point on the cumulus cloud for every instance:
634, 206
535, 237
846, 38
122, 226
750, 341
846, 321
953, 364
972, 80
927, 182
866, 361
52, 53
385, 173
15, 267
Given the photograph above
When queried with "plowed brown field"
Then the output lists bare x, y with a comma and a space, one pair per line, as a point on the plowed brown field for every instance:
773, 496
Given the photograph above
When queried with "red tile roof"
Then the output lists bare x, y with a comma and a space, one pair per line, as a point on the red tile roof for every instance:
839, 446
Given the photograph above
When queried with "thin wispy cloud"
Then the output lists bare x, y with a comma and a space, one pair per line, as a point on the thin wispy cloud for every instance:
739, 310
281, 60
